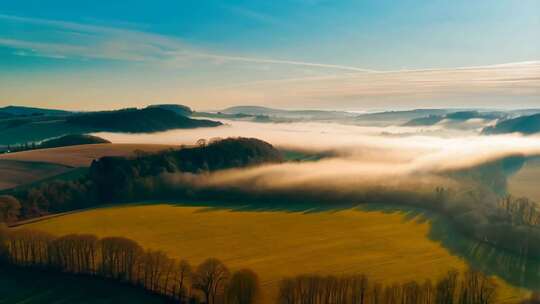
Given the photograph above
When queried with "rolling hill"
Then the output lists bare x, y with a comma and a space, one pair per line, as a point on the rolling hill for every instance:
455, 117
29, 111
375, 118
15, 173
72, 140
28, 129
28, 168
178, 109
523, 124
82, 156
62, 141
152, 119
292, 114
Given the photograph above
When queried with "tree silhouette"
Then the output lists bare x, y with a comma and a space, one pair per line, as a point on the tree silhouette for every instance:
211, 278
243, 287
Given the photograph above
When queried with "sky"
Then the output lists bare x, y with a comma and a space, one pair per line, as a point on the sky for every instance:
321, 54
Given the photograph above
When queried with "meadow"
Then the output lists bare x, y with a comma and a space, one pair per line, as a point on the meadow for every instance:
388, 247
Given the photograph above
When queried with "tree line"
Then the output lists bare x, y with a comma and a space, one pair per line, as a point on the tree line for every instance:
122, 259
471, 287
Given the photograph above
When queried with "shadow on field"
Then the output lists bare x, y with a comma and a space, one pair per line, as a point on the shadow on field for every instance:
28, 286
516, 270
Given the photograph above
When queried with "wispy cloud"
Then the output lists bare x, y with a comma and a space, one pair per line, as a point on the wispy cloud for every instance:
254, 15
335, 84
130, 45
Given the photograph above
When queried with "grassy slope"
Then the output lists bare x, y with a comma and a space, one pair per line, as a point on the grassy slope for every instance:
14, 173
81, 156
525, 182
33, 287
276, 244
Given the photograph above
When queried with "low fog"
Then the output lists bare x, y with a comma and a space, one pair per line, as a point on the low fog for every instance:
458, 173
358, 149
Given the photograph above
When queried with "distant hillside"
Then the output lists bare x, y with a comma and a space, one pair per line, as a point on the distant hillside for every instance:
395, 117
27, 129
4, 115
524, 124
63, 141
291, 114
28, 111
73, 140
409, 114
424, 116
524, 112
176, 108
424, 121
460, 116
254, 110
151, 119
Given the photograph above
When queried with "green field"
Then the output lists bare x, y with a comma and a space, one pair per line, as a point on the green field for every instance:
35, 287
389, 247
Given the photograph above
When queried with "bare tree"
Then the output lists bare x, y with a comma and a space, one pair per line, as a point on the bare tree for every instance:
184, 274
211, 278
243, 287
477, 288
446, 288
118, 257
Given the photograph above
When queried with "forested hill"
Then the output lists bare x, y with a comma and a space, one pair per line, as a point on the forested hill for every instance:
21, 126
524, 124
177, 108
117, 179
151, 119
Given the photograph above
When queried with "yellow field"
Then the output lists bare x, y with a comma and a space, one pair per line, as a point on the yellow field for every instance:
276, 244
525, 182
81, 156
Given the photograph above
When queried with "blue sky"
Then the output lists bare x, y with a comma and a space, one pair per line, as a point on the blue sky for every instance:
296, 53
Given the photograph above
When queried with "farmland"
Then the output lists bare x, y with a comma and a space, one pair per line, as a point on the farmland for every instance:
15, 173
388, 247
81, 156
